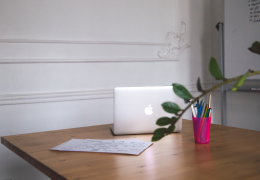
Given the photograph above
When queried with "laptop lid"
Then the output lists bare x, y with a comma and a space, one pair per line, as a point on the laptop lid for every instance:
136, 109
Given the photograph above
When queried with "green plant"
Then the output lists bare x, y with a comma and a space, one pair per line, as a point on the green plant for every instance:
183, 93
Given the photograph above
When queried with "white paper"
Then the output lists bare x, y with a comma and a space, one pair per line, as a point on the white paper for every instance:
133, 146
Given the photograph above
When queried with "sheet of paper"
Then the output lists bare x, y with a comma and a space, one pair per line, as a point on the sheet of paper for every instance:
134, 146
74, 141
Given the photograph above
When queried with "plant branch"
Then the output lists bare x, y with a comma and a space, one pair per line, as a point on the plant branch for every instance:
252, 73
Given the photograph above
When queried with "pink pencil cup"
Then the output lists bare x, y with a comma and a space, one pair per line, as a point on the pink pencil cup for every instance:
201, 129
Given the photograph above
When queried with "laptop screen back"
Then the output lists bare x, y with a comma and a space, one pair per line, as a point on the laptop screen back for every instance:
136, 109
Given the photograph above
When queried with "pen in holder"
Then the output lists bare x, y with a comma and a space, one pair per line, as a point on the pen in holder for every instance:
201, 129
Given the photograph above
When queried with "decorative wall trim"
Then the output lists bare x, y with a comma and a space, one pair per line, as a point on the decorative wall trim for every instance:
177, 49
100, 60
47, 97
171, 37
31, 98
80, 42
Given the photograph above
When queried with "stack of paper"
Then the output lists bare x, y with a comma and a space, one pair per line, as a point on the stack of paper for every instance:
133, 146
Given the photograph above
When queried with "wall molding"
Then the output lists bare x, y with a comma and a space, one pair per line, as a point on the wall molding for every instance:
170, 38
41, 41
179, 47
46, 97
90, 94
91, 60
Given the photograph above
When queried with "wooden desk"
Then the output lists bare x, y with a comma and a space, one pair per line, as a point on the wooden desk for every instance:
231, 154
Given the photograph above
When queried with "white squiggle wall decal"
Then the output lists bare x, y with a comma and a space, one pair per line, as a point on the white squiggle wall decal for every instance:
174, 42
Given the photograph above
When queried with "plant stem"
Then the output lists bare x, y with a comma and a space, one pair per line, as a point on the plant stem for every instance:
215, 87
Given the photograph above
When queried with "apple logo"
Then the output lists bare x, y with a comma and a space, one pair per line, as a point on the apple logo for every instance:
148, 110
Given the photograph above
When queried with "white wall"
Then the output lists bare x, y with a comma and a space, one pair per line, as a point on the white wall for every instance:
60, 60
242, 107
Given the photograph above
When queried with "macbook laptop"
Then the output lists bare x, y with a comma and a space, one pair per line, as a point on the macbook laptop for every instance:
136, 109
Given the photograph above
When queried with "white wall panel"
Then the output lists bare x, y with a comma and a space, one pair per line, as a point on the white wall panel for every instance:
92, 20
45, 51
29, 78
61, 59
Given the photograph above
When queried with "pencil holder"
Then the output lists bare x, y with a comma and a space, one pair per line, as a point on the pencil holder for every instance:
201, 129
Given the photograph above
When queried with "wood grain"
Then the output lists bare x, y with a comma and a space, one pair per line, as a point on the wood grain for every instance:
232, 153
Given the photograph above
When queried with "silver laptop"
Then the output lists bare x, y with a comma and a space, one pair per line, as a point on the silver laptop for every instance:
136, 109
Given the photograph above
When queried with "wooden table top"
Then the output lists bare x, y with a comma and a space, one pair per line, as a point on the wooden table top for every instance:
232, 153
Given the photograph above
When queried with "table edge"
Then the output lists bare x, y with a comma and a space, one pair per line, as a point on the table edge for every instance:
40, 166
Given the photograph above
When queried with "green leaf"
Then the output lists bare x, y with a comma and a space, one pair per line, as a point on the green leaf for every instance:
181, 91
166, 121
240, 82
199, 87
174, 120
171, 128
214, 69
255, 48
171, 107
156, 138
159, 134
163, 121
